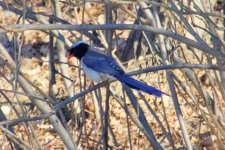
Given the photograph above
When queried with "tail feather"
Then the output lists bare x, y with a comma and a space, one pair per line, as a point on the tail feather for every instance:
138, 85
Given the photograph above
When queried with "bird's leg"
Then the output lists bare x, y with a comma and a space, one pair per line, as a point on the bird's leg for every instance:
105, 82
91, 83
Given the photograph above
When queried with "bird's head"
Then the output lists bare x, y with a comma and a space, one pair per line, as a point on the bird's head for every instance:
78, 50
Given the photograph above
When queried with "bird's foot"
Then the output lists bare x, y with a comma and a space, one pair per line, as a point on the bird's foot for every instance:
90, 84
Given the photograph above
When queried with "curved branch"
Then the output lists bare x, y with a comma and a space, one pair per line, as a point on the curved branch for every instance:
84, 27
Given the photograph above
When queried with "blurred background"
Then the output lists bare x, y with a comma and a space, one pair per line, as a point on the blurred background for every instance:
176, 46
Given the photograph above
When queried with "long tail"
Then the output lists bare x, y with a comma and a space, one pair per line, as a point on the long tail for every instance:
138, 85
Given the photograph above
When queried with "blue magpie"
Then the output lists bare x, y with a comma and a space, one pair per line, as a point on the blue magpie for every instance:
100, 67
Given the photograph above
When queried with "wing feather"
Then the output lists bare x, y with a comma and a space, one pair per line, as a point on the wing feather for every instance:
102, 63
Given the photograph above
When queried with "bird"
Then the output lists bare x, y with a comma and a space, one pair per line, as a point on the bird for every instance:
100, 67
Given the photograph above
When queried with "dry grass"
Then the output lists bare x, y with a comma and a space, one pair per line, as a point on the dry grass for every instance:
199, 90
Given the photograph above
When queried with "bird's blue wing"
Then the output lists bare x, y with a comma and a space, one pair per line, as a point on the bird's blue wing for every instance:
105, 64
102, 63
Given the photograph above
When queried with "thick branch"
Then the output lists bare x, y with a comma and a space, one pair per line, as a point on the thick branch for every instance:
178, 37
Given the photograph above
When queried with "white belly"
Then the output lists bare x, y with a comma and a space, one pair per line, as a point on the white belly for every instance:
94, 75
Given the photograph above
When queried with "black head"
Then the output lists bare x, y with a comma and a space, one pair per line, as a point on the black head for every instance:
77, 50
